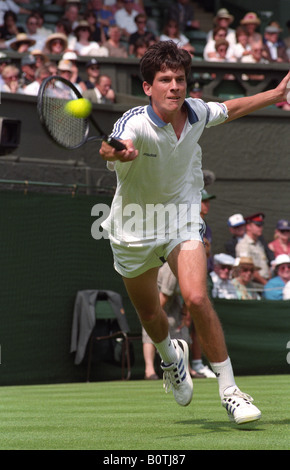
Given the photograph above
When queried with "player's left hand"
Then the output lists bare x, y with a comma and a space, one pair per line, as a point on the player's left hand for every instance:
284, 88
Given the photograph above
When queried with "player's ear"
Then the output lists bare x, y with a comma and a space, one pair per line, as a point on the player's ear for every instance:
147, 88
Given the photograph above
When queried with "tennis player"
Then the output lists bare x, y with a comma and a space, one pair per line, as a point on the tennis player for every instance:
160, 175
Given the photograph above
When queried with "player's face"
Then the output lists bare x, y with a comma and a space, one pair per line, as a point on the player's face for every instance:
167, 92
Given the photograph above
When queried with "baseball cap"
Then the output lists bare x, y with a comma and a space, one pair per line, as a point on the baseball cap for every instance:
223, 258
205, 196
28, 60
92, 62
65, 65
257, 219
236, 220
283, 225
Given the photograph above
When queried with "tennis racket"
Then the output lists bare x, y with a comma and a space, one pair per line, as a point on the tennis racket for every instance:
64, 129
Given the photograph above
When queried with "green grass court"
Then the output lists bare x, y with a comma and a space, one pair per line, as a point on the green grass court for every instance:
138, 415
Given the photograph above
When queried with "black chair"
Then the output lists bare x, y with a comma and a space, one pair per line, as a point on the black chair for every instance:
114, 328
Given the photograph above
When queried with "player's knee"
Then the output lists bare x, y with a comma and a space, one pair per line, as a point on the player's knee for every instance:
196, 301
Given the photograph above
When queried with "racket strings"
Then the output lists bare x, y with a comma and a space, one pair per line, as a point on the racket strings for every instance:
65, 129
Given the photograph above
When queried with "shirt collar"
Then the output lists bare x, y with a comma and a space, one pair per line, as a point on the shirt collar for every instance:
192, 117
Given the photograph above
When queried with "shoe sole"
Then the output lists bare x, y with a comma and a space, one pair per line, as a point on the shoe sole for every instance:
245, 419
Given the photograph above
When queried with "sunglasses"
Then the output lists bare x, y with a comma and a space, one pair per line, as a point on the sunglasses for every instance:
284, 267
225, 266
246, 270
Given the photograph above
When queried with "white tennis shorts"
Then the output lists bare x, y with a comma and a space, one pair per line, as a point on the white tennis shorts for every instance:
135, 258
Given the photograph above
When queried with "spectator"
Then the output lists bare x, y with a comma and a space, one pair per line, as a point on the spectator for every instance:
41, 29
10, 29
244, 270
31, 26
10, 5
237, 228
251, 23
171, 32
113, 44
10, 75
195, 90
97, 32
205, 206
125, 18
92, 72
242, 47
255, 57
84, 46
102, 92
183, 12
52, 67
56, 44
209, 51
252, 247
223, 19
281, 244
274, 50
221, 53
222, 285
140, 47
28, 69
4, 60
105, 17
40, 58
286, 291
75, 78
65, 70
72, 15
41, 74
273, 290
22, 43
142, 32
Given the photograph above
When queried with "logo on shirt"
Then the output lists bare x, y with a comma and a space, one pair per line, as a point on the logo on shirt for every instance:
150, 154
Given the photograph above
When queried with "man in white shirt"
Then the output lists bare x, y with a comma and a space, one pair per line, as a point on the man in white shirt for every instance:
161, 168
125, 18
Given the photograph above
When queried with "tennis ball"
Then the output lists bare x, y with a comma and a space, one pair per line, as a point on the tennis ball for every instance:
80, 108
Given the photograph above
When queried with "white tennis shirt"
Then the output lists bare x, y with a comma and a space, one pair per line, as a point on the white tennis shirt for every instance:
167, 172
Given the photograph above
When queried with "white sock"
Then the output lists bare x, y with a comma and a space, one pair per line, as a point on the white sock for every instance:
166, 350
225, 375
196, 364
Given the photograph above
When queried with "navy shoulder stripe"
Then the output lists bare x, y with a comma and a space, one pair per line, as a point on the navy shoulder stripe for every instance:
121, 123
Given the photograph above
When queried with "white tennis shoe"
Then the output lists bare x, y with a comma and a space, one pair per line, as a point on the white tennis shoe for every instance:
239, 406
176, 376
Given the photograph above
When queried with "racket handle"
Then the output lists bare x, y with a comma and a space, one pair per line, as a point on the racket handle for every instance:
115, 143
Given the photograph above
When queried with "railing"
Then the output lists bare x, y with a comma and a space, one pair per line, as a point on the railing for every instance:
126, 76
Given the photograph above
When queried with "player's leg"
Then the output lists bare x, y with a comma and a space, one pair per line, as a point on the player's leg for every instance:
144, 294
188, 263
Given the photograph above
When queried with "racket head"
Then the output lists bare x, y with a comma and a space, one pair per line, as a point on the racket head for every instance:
64, 129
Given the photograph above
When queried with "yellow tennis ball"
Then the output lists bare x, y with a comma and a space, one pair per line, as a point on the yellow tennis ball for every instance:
80, 108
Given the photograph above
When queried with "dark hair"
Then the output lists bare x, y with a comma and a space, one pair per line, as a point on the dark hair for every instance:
163, 55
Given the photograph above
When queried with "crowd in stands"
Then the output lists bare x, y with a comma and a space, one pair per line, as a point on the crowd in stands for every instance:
249, 268
113, 28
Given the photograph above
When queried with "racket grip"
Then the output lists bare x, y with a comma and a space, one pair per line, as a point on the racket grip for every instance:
115, 143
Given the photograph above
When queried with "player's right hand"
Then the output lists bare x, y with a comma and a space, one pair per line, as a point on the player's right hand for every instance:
110, 154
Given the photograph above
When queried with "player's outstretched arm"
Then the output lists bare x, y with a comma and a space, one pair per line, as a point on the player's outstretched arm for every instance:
109, 154
239, 107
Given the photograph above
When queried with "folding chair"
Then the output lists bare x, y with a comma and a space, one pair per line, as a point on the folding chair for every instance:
105, 311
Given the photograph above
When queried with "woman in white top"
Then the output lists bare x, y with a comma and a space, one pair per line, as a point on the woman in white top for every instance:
83, 45
171, 33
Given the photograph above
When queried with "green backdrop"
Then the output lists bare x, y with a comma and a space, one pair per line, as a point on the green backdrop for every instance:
48, 254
